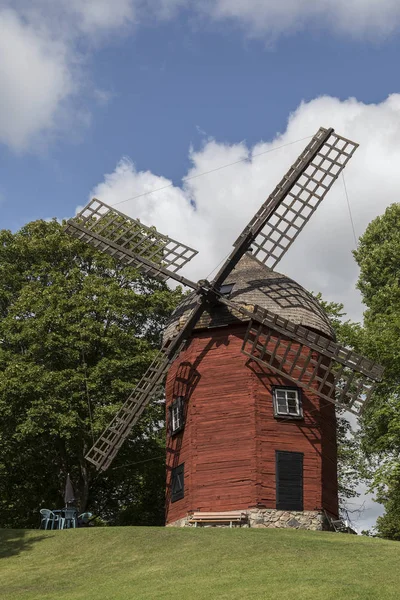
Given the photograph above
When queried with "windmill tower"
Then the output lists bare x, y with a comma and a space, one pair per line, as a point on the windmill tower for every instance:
237, 429
253, 371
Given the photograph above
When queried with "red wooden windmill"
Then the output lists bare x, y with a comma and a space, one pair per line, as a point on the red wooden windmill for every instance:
253, 371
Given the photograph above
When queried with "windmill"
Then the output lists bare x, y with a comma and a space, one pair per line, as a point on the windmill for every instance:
292, 365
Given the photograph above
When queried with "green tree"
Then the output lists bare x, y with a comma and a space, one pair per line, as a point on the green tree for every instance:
378, 256
350, 463
77, 331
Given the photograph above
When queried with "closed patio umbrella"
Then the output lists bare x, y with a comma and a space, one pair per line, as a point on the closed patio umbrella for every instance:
69, 495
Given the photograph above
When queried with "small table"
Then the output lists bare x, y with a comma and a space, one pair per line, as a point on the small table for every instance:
66, 518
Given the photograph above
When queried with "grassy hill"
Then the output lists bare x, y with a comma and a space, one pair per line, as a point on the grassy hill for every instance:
125, 563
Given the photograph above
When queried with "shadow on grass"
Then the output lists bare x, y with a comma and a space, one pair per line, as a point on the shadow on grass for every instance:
15, 541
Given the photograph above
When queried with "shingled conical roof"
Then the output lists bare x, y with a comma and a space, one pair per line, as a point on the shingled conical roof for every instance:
254, 283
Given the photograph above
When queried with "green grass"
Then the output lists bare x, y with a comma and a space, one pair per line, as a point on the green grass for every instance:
125, 563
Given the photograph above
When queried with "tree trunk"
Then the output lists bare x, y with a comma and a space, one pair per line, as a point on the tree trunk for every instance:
83, 486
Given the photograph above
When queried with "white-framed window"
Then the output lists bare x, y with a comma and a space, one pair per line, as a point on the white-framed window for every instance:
287, 402
177, 414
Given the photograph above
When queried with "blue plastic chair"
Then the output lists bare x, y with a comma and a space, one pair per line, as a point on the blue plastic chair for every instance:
68, 518
48, 518
84, 518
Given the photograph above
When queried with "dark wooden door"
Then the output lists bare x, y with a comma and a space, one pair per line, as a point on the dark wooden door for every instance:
289, 480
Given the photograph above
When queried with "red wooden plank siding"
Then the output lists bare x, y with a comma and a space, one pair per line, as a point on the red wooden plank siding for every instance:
230, 437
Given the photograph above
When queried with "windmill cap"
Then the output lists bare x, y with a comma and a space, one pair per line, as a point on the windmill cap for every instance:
256, 284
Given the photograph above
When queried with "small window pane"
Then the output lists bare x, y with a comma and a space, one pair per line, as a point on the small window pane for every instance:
287, 402
281, 405
177, 415
226, 289
175, 418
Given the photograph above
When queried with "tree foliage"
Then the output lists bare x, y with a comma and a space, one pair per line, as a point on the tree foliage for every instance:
77, 331
378, 256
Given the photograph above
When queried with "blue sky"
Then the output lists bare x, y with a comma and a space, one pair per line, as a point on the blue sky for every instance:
117, 98
165, 83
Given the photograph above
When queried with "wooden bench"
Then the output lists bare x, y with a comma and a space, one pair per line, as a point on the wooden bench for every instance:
218, 517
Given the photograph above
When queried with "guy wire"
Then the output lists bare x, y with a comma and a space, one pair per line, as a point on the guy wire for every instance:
348, 206
189, 177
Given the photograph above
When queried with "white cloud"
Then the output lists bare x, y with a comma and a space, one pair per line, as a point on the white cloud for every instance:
364, 18
45, 45
209, 212
70, 17
34, 80
43, 49
95, 15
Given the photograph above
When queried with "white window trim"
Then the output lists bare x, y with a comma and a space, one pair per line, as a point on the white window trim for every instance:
176, 414
286, 414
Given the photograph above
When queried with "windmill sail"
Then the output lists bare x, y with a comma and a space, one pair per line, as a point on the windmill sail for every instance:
298, 195
131, 242
106, 447
310, 360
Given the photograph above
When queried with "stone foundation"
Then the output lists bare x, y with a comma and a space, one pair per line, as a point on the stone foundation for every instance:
311, 519
271, 518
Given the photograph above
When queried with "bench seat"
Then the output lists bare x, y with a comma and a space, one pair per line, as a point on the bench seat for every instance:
218, 517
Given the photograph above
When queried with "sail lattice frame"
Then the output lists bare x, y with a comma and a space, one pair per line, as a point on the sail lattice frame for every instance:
129, 241
303, 199
110, 441
311, 361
